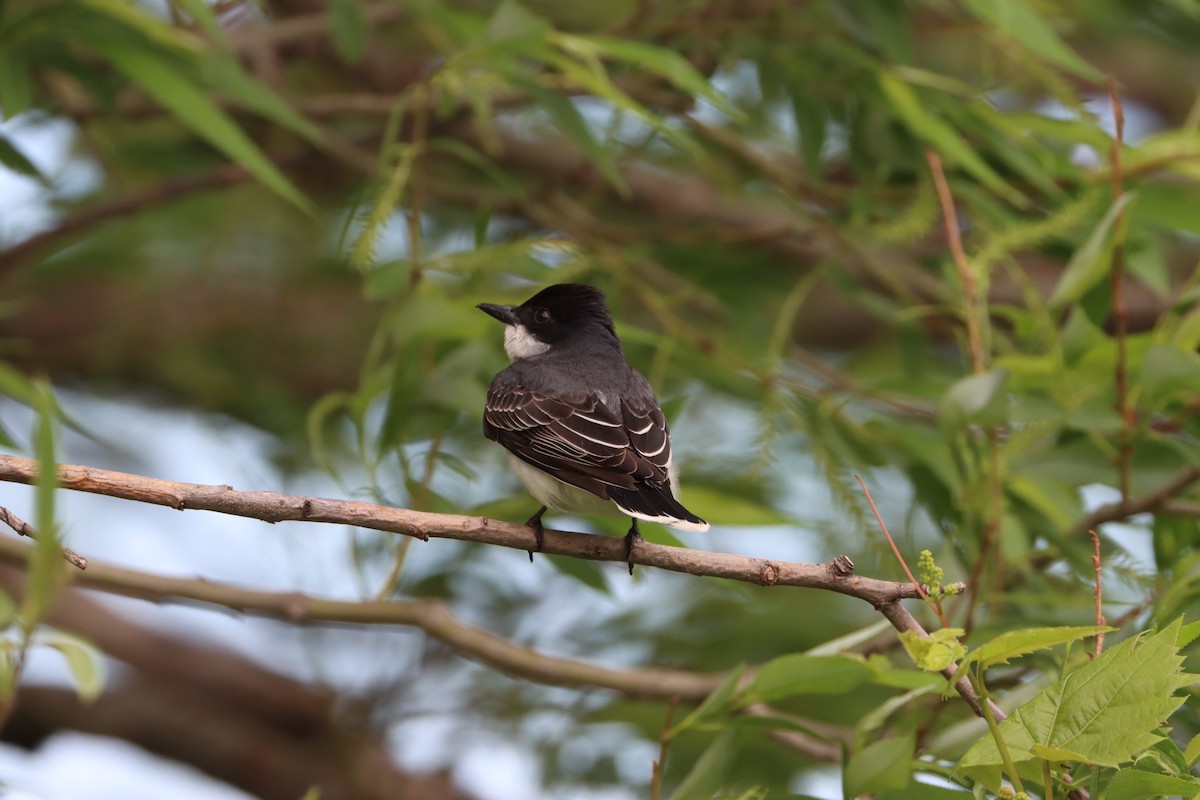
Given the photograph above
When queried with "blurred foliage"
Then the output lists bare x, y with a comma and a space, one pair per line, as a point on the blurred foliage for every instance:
298, 206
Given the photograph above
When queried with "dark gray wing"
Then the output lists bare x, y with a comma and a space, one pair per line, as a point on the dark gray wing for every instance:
580, 442
584, 443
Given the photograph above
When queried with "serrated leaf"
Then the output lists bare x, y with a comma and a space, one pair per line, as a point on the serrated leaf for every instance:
1135, 784
1192, 752
194, 109
804, 674
718, 701
349, 29
882, 765
709, 772
12, 158
1091, 262
1011, 644
1106, 711
1022, 24
935, 652
83, 660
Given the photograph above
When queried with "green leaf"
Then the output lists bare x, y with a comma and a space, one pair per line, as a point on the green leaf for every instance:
719, 701
14, 159
511, 21
708, 774
1019, 22
882, 765
8, 610
1168, 371
154, 74
568, 119
804, 674
1134, 784
588, 573
16, 83
16, 386
1105, 712
226, 75
1091, 262
926, 125
977, 398
83, 660
349, 29
46, 567
666, 63
1192, 752
152, 28
1011, 644
935, 652
712, 503
202, 13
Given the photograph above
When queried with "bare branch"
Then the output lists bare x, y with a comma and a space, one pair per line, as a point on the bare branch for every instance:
277, 507
431, 617
835, 576
1127, 507
23, 528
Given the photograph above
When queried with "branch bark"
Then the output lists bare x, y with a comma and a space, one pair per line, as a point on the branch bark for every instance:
259, 730
276, 507
835, 576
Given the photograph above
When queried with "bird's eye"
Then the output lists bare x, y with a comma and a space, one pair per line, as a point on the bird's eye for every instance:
541, 316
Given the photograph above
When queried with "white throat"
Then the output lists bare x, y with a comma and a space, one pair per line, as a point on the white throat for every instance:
520, 343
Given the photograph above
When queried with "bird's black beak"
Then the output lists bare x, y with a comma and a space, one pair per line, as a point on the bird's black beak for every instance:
506, 314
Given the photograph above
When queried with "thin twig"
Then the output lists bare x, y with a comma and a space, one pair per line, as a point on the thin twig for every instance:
23, 528
1100, 621
974, 320
1151, 501
664, 743
970, 292
1119, 311
887, 535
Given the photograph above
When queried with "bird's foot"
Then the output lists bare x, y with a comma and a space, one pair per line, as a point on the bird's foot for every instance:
539, 533
632, 538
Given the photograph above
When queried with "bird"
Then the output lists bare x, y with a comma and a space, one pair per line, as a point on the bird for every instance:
583, 429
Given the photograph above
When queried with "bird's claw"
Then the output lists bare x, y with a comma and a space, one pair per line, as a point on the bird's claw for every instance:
539, 532
632, 538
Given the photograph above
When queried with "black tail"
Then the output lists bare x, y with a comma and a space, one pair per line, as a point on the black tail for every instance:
652, 501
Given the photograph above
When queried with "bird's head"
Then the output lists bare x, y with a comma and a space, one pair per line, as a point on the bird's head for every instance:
566, 314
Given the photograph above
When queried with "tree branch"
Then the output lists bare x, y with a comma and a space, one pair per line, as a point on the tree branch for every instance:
276, 507
835, 576
1127, 507
431, 617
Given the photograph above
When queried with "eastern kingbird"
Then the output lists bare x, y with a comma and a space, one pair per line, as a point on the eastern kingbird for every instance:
583, 429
